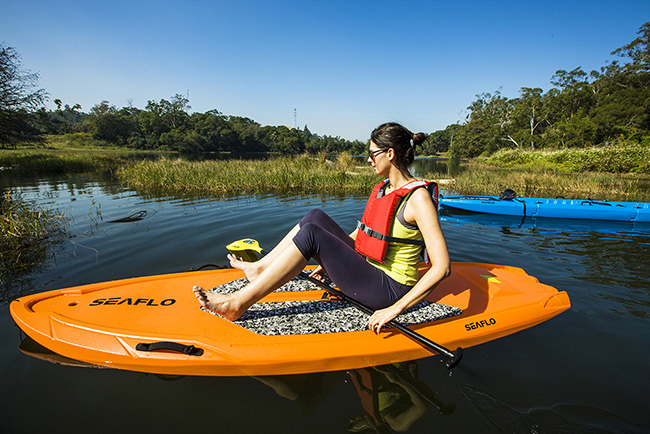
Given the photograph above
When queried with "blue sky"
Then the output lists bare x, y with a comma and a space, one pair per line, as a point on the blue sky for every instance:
345, 66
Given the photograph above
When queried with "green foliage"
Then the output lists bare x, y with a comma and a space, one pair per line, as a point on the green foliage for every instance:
473, 139
107, 123
167, 126
625, 158
39, 162
77, 140
581, 111
440, 141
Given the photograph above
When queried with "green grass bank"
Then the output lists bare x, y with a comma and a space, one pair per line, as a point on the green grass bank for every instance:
634, 158
36, 161
598, 186
300, 174
607, 173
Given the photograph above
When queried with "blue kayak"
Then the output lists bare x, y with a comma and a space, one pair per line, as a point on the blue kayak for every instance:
550, 208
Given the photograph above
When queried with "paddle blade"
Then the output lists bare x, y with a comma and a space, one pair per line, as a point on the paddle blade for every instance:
455, 359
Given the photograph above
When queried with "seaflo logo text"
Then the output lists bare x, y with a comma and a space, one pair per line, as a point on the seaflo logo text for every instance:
116, 301
479, 324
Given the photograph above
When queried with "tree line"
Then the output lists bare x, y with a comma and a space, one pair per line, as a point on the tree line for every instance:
161, 125
608, 106
168, 125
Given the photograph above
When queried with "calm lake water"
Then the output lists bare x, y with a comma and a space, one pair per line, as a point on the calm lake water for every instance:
585, 371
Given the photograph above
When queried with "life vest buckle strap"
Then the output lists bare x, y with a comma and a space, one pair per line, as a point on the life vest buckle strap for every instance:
372, 233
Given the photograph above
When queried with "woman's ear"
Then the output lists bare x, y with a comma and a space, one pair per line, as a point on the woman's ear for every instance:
390, 154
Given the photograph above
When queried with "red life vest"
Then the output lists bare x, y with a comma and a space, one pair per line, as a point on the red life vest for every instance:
374, 228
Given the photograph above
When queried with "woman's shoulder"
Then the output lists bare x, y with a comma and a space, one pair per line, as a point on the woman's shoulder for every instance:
422, 194
419, 202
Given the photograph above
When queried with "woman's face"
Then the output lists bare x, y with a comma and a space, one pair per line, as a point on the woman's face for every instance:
378, 159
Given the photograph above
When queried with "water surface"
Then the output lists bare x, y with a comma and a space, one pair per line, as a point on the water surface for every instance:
583, 371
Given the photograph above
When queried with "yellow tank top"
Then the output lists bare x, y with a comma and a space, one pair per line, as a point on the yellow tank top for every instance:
401, 262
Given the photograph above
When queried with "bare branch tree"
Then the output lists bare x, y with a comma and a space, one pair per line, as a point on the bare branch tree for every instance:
18, 87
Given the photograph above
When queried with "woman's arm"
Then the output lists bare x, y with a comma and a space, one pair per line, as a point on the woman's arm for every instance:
421, 211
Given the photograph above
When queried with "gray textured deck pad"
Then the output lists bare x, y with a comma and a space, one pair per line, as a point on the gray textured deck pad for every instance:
296, 284
320, 316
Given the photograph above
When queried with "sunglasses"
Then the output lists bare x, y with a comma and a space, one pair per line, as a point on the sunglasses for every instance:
373, 154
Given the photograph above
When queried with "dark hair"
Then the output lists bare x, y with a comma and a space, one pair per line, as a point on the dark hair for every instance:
403, 141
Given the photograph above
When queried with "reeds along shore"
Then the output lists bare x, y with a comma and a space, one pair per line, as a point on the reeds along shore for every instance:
26, 233
301, 174
60, 162
568, 173
606, 173
598, 186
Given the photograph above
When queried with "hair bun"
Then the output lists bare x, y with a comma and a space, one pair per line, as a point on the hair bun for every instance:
418, 138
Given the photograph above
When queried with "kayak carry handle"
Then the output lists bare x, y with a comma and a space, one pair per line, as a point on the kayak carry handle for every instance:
190, 350
593, 202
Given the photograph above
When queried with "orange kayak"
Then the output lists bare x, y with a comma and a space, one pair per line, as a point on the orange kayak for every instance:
155, 324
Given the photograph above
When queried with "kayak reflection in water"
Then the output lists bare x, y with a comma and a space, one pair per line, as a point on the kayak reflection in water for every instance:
393, 397
308, 391
384, 276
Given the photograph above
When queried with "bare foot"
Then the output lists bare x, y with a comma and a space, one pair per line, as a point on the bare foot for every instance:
221, 304
252, 270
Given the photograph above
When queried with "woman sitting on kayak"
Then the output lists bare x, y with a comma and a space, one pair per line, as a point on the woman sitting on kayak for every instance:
384, 276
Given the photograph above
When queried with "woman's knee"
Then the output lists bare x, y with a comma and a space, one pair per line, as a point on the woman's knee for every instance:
315, 215
306, 239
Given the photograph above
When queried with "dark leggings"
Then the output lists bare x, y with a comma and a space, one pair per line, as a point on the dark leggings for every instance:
321, 238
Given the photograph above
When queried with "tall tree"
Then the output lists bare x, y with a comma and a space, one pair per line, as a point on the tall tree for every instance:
638, 50
529, 115
488, 128
20, 97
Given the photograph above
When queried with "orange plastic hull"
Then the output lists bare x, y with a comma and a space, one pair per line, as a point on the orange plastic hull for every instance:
102, 323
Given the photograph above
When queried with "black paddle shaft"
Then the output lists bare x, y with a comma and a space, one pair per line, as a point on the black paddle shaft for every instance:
454, 356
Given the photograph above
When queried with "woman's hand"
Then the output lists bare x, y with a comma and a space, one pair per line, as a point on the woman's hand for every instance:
318, 273
382, 317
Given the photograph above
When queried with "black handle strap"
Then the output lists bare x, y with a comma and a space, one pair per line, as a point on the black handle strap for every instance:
190, 350
593, 202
